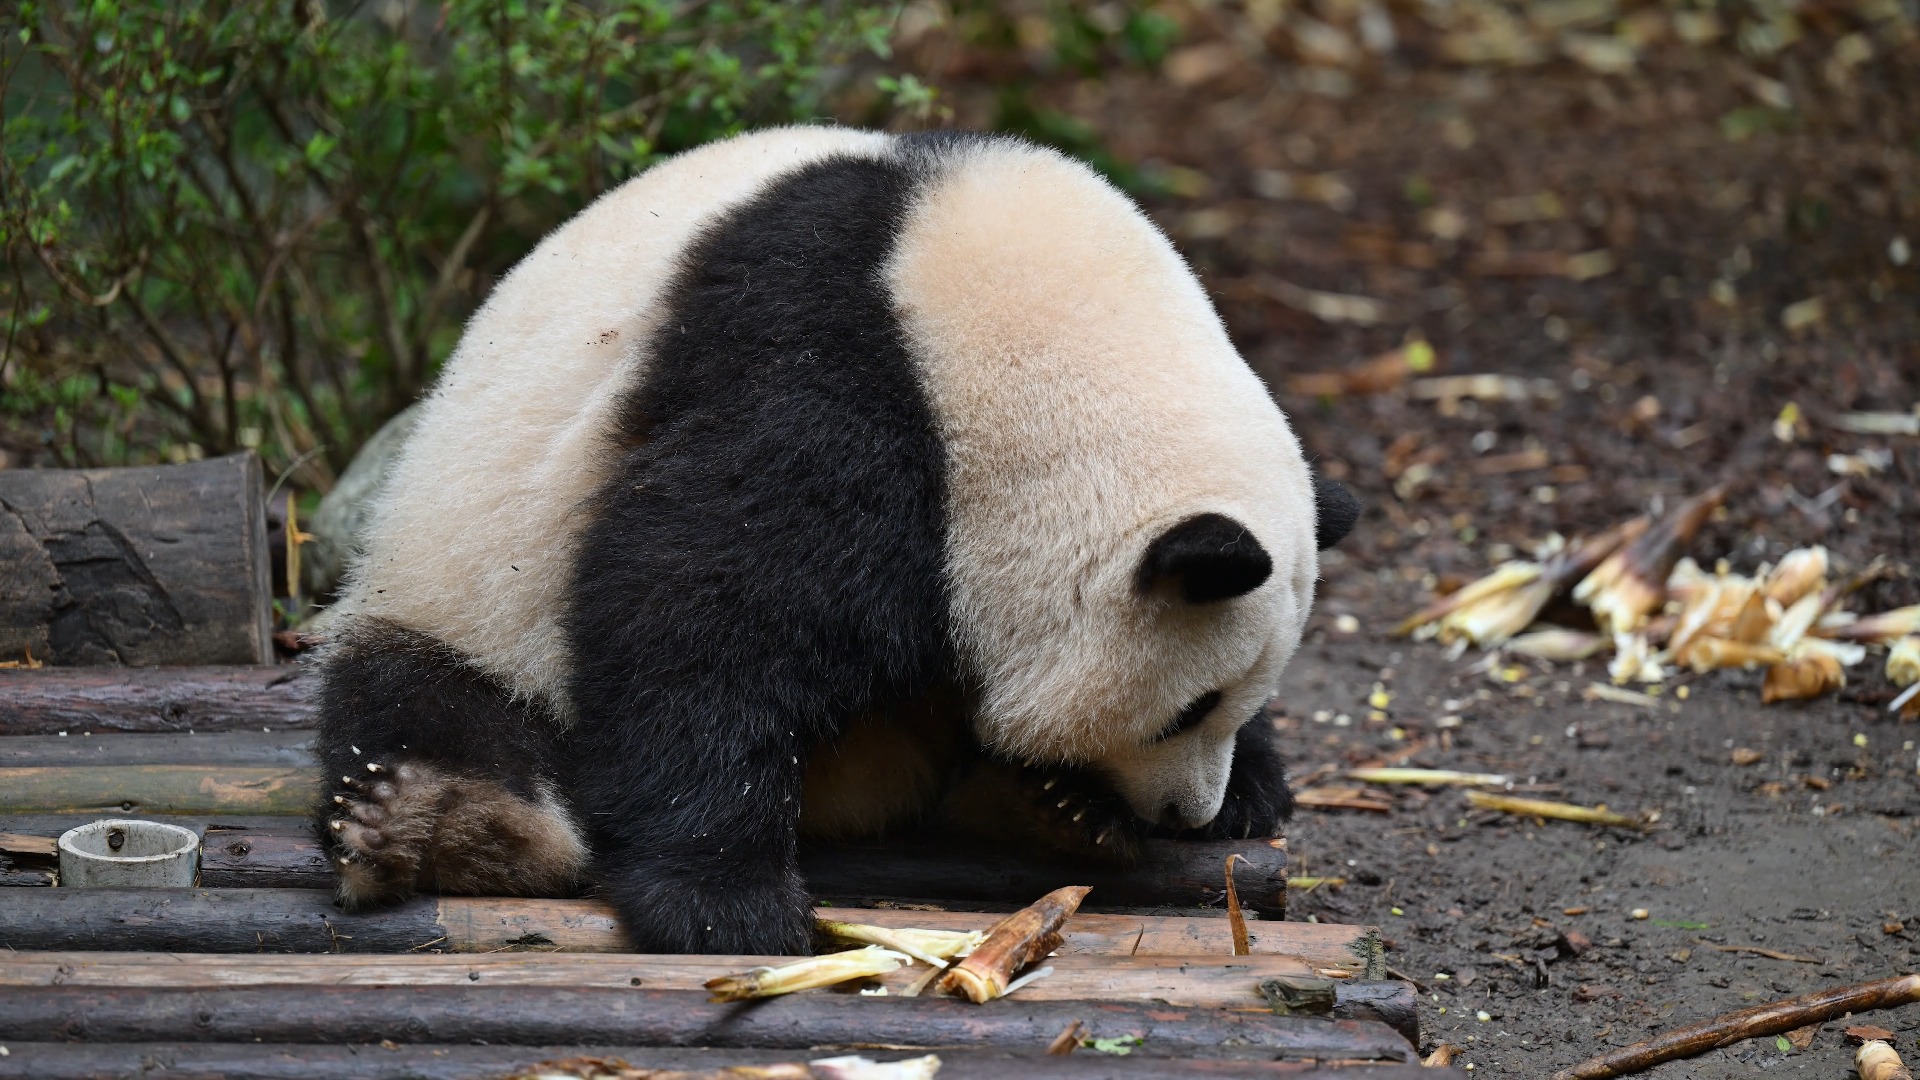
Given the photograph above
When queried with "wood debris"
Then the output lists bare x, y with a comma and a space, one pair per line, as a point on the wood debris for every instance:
1774, 1018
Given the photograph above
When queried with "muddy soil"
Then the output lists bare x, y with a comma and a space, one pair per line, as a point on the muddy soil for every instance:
1756, 209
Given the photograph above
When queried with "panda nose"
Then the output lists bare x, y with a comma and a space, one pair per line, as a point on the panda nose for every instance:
1171, 818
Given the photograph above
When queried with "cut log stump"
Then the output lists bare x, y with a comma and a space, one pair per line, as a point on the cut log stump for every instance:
164, 564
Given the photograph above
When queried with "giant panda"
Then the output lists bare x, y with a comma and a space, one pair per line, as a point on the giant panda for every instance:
819, 482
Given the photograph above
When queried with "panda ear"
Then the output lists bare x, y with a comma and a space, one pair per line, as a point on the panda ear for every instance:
1334, 512
1210, 556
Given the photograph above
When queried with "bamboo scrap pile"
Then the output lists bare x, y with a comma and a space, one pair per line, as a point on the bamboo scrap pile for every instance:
255, 972
1656, 611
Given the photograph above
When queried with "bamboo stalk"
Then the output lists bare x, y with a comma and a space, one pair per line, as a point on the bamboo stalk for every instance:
1556, 810
1760, 1021
1432, 777
1016, 941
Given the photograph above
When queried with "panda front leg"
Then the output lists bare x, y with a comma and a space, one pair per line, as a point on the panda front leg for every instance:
694, 839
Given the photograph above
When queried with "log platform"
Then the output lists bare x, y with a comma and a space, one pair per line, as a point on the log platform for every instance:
256, 973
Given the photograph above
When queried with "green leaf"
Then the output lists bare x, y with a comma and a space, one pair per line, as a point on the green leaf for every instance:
1120, 1044
1781, 1042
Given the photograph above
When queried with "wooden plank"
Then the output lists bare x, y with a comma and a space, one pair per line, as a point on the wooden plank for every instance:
1215, 981
285, 1061
283, 748
305, 921
162, 564
159, 789
1170, 874
200, 699
541, 1015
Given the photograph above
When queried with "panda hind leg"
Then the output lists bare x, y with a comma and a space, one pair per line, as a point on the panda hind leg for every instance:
437, 777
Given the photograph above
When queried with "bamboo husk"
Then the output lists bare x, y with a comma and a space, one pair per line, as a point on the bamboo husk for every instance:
1903, 661
935, 947
1875, 1060
1803, 675
1493, 609
1774, 1018
807, 974
1880, 629
1712, 654
1800, 572
1794, 622
1631, 582
1012, 944
1556, 810
1441, 1057
1558, 644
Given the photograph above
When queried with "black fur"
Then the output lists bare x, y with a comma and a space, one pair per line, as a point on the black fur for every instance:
765, 562
392, 694
1209, 556
1334, 512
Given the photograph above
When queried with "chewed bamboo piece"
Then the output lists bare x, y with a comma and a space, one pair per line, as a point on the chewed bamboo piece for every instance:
1885, 627
808, 974
1875, 1060
1015, 942
1903, 669
1631, 583
1493, 609
1804, 675
935, 947
1556, 810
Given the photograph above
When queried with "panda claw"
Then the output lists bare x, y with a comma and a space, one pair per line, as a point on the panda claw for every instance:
1078, 814
1049, 785
1062, 804
375, 767
1102, 838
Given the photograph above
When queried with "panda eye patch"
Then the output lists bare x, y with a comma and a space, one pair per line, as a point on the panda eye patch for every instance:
1191, 716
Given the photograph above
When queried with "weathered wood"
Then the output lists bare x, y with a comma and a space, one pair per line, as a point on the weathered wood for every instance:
163, 564
1171, 873
284, 1061
158, 789
284, 748
305, 921
1198, 982
533, 1016
199, 699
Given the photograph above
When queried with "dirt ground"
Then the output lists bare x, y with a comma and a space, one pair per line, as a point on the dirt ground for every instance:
1728, 183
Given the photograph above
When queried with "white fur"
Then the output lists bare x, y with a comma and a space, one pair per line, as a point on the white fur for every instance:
1089, 399
473, 541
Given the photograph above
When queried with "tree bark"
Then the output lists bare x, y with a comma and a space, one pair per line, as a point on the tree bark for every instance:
164, 564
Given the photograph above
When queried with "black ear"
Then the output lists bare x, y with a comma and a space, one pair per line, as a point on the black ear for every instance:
1211, 556
1334, 512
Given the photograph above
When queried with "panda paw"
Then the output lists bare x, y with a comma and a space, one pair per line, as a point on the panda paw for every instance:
1258, 801
1079, 815
378, 829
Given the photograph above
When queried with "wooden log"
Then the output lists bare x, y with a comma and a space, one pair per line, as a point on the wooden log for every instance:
198, 699
306, 921
541, 1015
283, 748
1171, 873
164, 564
286, 1061
159, 789
1214, 982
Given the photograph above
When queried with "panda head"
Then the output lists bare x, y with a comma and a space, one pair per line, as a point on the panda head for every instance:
1132, 529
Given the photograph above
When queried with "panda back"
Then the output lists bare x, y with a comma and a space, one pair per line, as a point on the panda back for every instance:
471, 539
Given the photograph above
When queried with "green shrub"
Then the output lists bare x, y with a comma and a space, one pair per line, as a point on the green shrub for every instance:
261, 223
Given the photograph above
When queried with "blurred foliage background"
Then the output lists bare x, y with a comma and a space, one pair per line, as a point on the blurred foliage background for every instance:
231, 224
